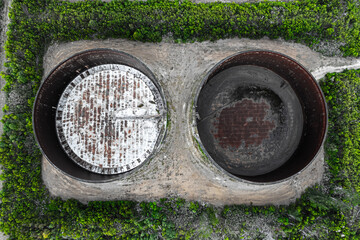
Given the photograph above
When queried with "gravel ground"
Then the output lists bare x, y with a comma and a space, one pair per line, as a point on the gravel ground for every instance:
178, 169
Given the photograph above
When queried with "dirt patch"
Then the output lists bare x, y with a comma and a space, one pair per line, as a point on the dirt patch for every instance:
178, 169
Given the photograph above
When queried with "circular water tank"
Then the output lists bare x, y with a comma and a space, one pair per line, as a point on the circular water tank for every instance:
260, 116
99, 114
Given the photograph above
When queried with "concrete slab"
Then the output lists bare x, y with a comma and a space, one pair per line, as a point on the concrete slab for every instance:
108, 122
179, 170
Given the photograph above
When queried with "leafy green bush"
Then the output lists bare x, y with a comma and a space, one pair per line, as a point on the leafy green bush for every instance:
27, 210
322, 214
342, 92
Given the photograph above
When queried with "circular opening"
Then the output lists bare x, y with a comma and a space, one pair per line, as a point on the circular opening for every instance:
260, 116
98, 114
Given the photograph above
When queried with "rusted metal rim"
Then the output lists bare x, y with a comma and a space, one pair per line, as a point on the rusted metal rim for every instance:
46, 102
310, 96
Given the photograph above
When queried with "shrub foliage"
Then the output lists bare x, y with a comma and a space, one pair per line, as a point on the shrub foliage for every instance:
342, 92
28, 212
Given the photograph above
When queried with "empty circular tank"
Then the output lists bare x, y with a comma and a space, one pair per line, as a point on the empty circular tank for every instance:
99, 115
260, 116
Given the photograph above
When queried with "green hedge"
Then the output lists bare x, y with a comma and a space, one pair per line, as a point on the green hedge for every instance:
27, 210
342, 92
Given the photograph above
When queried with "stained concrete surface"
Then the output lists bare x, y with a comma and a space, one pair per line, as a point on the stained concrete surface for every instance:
119, 119
178, 169
265, 134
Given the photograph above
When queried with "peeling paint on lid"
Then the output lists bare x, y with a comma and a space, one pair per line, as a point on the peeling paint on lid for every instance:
109, 118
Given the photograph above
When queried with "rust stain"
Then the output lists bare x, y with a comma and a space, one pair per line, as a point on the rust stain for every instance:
243, 122
101, 135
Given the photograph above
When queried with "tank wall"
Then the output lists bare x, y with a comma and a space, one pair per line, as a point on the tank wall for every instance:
311, 98
48, 97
